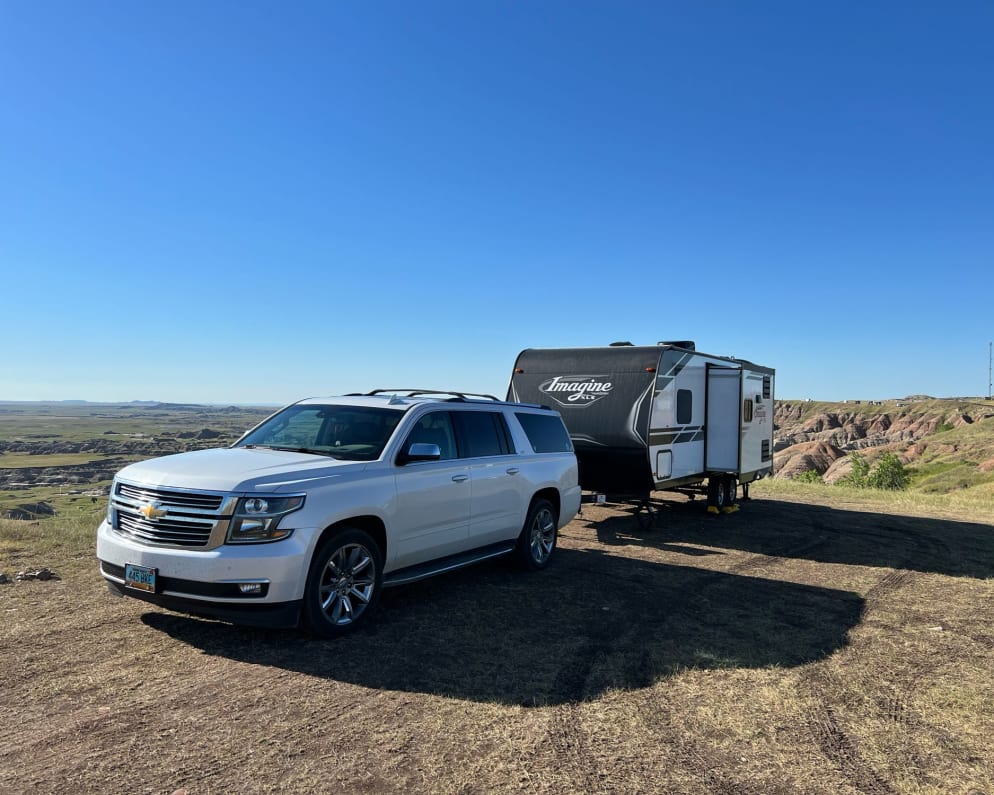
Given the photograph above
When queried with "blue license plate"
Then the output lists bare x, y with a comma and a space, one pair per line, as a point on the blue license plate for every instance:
141, 578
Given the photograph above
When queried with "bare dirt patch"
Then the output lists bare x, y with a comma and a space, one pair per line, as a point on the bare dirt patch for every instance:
791, 647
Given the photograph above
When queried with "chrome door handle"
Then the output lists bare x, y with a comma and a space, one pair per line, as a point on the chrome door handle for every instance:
513, 470
460, 478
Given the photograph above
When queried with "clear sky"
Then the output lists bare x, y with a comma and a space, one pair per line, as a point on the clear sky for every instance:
262, 201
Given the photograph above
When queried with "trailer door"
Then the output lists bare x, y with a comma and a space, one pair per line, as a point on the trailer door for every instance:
722, 407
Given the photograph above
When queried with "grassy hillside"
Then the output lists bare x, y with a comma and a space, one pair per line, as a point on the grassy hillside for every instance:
947, 444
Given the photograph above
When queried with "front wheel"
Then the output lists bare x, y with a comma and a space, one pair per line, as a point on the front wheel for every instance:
343, 584
538, 537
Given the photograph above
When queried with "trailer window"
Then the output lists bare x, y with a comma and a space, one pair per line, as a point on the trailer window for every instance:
747, 410
684, 406
546, 432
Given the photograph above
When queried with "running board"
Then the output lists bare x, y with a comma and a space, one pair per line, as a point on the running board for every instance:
452, 562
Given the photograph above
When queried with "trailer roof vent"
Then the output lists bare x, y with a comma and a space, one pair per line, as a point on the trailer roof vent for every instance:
621, 344
685, 344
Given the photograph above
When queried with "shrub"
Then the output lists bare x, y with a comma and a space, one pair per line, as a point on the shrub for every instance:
889, 473
859, 476
809, 476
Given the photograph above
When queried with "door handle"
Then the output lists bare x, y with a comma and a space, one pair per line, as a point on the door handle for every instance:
513, 470
460, 478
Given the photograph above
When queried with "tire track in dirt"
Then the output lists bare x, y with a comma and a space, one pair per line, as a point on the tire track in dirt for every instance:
710, 766
823, 724
840, 749
572, 756
886, 585
760, 561
566, 735
844, 753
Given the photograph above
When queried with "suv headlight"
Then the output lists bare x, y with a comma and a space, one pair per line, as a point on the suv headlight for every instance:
256, 519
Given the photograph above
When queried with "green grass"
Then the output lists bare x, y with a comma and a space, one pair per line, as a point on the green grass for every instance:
26, 460
963, 504
66, 540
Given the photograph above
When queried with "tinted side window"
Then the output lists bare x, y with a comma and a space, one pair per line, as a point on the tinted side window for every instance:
684, 406
546, 433
434, 428
480, 433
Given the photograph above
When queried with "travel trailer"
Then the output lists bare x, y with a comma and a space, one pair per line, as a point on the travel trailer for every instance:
647, 418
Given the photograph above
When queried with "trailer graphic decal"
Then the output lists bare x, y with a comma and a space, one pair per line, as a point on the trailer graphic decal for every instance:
690, 435
575, 391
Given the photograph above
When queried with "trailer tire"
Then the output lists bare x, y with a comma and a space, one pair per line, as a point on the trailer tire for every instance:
732, 486
717, 492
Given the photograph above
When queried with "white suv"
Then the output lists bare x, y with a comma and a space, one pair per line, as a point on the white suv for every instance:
307, 516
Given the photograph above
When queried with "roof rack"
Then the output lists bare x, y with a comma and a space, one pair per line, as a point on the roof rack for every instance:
423, 392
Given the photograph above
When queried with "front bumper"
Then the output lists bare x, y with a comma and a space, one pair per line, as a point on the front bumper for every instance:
205, 582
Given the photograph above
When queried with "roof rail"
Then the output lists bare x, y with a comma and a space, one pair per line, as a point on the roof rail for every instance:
423, 392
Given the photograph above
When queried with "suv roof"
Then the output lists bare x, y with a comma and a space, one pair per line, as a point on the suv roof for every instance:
404, 398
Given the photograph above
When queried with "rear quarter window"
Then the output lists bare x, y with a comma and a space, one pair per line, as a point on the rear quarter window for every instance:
546, 432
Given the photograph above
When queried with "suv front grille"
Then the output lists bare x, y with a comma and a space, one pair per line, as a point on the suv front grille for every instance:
166, 516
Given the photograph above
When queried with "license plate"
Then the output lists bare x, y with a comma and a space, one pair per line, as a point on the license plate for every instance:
141, 578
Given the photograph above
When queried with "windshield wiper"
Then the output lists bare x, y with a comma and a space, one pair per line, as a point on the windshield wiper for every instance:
295, 450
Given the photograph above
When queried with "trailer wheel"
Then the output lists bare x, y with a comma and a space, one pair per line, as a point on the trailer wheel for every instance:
717, 493
732, 485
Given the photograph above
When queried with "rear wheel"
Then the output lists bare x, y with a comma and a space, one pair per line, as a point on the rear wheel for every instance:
343, 584
538, 537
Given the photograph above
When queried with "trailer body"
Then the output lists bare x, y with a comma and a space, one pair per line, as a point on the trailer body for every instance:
655, 417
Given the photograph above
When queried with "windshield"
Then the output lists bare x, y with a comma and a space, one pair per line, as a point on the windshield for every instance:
350, 433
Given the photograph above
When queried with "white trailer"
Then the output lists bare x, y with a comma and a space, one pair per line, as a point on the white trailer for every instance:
647, 418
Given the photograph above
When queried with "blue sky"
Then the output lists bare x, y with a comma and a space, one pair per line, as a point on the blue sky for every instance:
257, 202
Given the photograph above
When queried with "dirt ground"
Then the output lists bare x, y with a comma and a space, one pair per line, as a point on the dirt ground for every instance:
788, 648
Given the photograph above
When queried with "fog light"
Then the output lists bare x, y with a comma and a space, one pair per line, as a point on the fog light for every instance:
250, 587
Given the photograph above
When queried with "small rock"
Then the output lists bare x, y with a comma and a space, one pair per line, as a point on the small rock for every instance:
4, 579
36, 574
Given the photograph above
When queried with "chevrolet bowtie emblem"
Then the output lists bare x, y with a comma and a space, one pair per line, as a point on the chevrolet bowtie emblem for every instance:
152, 511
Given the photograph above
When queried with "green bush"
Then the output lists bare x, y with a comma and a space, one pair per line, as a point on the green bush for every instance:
889, 473
859, 477
809, 476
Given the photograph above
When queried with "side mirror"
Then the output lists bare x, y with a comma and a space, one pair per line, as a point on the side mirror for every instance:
420, 451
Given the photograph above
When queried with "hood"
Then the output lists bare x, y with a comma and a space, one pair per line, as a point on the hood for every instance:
238, 469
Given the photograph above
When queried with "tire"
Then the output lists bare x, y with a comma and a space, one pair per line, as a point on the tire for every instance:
717, 492
343, 584
731, 487
538, 537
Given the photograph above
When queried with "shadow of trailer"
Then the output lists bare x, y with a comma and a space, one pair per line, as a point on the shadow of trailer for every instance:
662, 417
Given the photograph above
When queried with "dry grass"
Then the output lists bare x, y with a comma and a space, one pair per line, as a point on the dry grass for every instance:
803, 645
